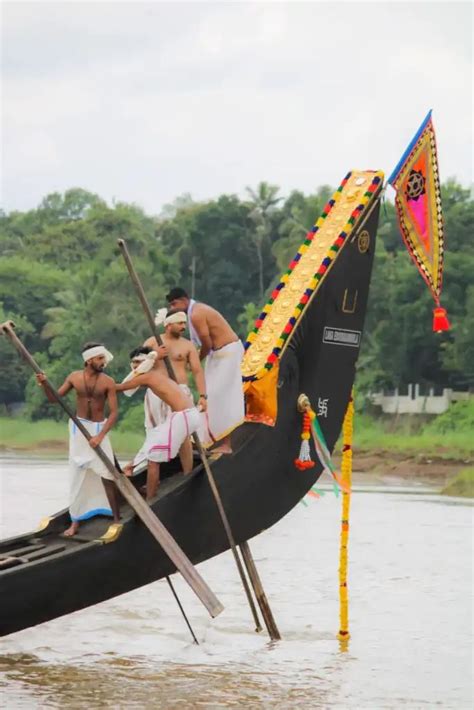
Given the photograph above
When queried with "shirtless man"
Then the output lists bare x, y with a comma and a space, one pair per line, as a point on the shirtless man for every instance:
164, 441
93, 490
212, 334
184, 358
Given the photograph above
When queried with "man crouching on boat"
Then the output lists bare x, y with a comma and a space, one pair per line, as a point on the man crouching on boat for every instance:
164, 441
93, 490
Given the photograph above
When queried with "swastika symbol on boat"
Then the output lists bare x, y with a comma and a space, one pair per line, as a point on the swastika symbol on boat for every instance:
323, 407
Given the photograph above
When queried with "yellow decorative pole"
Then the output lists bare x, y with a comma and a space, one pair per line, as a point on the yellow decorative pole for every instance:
346, 473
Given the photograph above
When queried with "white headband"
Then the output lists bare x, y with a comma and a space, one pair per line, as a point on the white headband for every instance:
178, 317
96, 351
161, 317
146, 364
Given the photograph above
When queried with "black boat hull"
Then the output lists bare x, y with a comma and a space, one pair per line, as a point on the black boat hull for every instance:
259, 484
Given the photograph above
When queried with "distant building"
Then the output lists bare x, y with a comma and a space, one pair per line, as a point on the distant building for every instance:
416, 403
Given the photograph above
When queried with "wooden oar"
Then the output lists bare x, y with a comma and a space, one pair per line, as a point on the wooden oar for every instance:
144, 512
212, 483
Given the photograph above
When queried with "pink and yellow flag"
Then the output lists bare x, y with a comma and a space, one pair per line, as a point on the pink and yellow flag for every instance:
420, 215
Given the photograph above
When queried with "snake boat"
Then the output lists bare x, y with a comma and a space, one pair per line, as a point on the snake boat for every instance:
306, 340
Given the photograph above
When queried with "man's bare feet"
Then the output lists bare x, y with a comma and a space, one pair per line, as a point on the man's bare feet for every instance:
72, 530
223, 446
223, 449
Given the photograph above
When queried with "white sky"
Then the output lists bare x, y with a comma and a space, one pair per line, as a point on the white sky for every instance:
145, 101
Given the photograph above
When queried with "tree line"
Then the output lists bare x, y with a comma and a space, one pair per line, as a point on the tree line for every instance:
63, 281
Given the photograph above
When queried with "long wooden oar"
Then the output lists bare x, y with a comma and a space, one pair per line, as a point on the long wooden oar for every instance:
175, 594
144, 512
169, 367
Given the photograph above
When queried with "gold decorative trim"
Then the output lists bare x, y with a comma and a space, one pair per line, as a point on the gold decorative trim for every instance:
43, 524
111, 534
279, 319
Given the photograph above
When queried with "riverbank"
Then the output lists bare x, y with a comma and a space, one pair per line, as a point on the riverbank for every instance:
50, 438
378, 453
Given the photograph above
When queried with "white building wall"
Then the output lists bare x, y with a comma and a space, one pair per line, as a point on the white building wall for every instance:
415, 403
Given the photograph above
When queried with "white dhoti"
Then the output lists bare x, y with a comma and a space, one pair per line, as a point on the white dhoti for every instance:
225, 395
157, 412
87, 493
164, 441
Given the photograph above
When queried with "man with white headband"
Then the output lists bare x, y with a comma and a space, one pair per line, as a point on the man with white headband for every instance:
184, 359
156, 411
164, 441
92, 489
223, 350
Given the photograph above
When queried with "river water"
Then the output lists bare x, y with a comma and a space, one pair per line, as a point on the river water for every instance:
410, 575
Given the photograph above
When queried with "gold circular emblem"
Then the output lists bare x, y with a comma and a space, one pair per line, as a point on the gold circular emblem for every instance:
363, 241
415, 185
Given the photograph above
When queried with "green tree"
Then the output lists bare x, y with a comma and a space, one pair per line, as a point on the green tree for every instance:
298, 215
263, 202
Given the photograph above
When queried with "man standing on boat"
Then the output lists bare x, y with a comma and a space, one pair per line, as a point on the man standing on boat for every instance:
92, 490
212, 334
184, 359
164, 441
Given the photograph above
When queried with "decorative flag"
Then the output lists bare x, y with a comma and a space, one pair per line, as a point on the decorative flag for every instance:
420, 215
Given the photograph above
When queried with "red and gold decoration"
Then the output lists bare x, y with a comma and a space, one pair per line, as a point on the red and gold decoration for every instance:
312, 429
420, 215
279, 318
304, 458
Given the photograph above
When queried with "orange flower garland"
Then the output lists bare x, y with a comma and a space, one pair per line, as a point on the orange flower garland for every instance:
304, 459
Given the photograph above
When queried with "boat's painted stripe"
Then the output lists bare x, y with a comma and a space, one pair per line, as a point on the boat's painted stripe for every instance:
92, 514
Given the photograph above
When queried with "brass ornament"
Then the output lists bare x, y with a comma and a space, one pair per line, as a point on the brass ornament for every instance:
43, 524
111, 534
349, 305
363, 241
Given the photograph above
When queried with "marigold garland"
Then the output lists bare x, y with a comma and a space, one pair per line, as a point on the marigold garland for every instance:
304, 458
346, 471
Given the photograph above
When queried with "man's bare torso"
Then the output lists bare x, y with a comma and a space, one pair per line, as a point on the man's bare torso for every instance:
91, 393
165, 388
220, 332
179, 350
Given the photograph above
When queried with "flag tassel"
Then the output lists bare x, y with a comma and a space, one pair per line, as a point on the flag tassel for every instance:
440, 320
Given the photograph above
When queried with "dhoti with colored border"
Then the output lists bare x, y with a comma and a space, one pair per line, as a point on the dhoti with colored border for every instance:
164, 441
87, 493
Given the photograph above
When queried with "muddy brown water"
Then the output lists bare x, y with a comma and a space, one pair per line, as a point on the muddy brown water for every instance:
410, 615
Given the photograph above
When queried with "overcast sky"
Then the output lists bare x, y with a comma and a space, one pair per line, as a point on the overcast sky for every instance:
143, 102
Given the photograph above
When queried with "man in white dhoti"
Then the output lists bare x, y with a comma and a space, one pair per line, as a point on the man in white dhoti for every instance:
185, 361
142, 360
164, 441
156, 411
212, 334
92, 488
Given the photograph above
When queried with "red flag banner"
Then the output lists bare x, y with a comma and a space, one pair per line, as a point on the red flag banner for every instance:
420, 215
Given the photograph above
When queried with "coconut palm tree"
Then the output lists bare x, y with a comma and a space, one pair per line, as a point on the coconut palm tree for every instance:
263, 202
